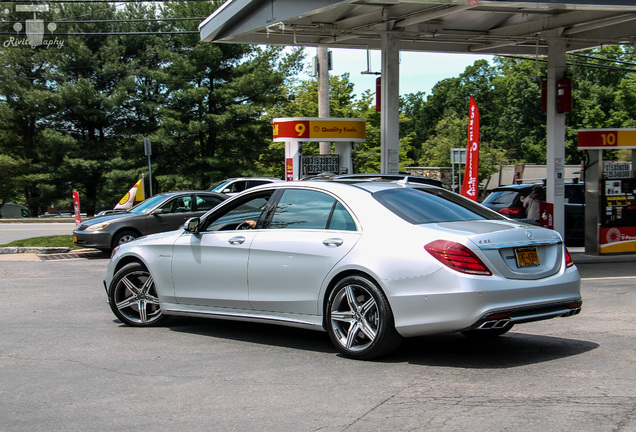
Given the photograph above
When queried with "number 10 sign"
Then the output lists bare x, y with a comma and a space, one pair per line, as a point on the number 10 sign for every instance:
601, 139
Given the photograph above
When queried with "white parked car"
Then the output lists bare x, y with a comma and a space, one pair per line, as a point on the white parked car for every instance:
369, 263
236, 185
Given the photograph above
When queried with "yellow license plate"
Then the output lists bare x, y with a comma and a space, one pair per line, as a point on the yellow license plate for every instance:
75, 239
527, 257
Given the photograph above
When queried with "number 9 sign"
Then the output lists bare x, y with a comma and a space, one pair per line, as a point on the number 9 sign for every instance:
300, 129
291, 129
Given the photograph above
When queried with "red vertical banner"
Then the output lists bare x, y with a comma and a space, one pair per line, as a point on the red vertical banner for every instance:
76, 207
289, 169
378, 94
470, 186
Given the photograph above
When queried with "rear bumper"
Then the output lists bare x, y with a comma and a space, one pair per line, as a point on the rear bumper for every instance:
444, 302
502, 318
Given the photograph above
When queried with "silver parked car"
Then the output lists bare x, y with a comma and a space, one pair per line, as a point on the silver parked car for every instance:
369, 263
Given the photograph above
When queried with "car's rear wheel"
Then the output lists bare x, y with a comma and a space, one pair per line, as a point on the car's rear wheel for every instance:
359, 319
124, 237
133, 298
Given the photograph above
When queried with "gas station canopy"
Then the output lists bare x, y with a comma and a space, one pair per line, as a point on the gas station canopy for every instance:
549, 28
496, 27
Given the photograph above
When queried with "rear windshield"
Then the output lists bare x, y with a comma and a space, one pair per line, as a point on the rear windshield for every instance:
421, 206
504, 198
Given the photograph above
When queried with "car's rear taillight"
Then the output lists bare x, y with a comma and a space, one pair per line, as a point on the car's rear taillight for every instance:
512, 211
458, 257
569, 262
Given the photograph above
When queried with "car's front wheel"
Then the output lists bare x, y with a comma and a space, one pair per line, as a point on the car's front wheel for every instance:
124, 237
359, 319
133, 298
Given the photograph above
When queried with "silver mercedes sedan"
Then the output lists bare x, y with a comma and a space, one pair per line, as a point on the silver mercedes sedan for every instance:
369, 262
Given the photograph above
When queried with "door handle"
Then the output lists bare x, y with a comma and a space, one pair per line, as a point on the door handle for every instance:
236, 240
333, 242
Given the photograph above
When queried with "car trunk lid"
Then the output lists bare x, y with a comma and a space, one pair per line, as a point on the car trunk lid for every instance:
516, 251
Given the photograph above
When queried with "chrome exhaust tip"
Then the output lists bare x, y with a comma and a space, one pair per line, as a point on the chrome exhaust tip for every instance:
494, 324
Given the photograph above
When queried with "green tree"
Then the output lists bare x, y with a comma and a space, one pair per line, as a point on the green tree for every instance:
24, 104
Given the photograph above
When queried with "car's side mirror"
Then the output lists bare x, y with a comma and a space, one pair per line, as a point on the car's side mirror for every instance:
192, 225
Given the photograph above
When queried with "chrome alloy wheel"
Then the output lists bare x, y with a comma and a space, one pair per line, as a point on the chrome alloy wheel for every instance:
354, 317
134, 299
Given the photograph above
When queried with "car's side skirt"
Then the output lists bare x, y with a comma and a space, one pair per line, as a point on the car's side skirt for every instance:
311, 322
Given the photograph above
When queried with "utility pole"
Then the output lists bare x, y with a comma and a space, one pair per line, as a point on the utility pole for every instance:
148, 152
323, 93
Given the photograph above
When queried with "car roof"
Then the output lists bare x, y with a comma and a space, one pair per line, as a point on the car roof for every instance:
252, 178
519, 186
173, 193
335, 185
367, 177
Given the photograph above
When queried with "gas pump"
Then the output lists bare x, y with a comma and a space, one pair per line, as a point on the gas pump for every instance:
610, 192
617, 232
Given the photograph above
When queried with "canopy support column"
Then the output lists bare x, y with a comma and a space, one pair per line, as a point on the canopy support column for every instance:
390, 105
556, 135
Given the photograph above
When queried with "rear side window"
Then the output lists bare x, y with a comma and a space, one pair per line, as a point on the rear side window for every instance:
420, 206
254, 183
206, 202
306, 209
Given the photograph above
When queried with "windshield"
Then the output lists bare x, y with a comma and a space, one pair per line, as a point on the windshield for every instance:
218, 187
148, 205
420, 206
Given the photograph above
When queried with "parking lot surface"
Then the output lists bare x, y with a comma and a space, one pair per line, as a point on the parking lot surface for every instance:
66, 364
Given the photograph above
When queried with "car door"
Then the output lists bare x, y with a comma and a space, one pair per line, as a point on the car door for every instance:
308, 234
210, 268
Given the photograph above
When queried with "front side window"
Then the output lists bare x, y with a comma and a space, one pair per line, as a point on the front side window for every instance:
234, 215
307, 209
420, 206
178, 205
236, 187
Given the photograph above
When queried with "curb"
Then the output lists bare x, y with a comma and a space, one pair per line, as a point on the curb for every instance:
601, 259
33, 250
40, 220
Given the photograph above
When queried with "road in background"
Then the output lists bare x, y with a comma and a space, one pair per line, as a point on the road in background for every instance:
66, 363
19, 230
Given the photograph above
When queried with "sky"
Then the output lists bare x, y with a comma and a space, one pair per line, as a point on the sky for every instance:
419, 71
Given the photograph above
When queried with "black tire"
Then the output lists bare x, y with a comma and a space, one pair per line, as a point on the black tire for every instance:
133, 298
124, 237
359, 319
488, 333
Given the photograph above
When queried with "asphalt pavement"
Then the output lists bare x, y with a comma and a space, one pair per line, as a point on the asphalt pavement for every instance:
67, 364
